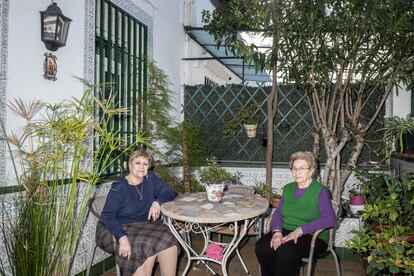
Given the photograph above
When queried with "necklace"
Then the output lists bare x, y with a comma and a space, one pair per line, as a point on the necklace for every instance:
140, 193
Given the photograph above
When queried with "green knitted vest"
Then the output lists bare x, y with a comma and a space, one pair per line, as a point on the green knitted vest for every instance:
296, 212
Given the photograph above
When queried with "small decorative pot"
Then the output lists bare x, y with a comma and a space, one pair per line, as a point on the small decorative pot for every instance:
274, 201
250, 130
215, 192
356, 204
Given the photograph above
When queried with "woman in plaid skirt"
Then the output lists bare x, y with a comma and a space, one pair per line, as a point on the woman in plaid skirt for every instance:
131, 214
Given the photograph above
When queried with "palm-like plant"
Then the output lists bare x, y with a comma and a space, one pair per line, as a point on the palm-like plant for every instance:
62, 152
395, 129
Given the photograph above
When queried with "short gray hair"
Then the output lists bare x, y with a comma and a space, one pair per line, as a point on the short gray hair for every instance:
140, 153
307, 156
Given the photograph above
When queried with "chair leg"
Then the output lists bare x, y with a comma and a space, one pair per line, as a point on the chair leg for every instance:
88, 271
118, 270
338, 268
310, 261
242, 262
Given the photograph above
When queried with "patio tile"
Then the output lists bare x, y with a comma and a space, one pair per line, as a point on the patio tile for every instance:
351, 266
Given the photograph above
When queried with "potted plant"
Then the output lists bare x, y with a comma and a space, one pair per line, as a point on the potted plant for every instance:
386, 240
250, 126
275, 198
245, 116
214, 178
54, 165
399, 132
265, 191
356, 201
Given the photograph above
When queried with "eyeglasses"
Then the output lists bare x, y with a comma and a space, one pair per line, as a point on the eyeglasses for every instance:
299, 170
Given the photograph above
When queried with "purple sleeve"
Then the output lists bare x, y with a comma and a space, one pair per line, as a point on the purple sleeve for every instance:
327, 217
277, 217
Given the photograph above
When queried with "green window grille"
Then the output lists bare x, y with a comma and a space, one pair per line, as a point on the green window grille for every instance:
120, 62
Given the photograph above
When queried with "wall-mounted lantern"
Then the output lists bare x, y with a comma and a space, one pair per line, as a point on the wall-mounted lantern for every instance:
55, 27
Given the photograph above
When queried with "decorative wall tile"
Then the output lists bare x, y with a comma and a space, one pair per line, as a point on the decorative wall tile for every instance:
4, 29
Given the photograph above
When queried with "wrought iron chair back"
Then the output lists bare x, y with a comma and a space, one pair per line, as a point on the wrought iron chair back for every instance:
96, 205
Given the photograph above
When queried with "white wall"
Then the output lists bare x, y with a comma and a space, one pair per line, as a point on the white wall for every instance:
194, 71
401, 102
26, 51
26, 55
168, 47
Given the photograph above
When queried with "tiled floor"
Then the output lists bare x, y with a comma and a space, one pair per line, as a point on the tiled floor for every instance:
323, 267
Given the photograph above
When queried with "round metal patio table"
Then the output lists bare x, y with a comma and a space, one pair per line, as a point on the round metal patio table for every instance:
193, 213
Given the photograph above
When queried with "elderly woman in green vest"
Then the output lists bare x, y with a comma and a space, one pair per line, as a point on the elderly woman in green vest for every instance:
304, 208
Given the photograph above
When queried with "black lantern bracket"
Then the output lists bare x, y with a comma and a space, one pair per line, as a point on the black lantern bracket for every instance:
54, 27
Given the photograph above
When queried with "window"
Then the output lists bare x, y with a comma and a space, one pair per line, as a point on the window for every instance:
120, 60
208, 81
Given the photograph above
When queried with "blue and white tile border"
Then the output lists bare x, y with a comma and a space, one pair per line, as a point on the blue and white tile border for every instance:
4, 34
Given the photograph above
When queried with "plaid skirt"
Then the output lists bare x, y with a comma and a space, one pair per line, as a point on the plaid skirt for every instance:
147, 238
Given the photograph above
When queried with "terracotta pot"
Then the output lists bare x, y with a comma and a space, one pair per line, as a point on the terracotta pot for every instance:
274, 201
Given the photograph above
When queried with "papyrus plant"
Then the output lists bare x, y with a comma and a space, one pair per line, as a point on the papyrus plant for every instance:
60, 154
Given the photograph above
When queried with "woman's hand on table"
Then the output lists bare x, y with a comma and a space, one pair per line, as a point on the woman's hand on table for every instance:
276, 240
294, 235
154, 211
124, 247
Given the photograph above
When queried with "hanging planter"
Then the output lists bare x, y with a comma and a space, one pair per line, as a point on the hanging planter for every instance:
244, 115
250, 130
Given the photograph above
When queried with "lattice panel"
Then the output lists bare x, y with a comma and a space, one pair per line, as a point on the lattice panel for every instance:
208, 106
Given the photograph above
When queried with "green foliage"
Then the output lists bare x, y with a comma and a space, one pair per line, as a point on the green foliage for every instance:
394, 130
195, 186
178, 138
54, 165
386, 250
237, 15
388, 219
242, 115
264, 190
215, 174
383, 190
195, 143
159, 104
176, 183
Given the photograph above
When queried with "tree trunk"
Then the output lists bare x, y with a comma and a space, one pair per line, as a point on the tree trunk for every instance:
272, 102
269, 146
353, 158
316, 149
186, 163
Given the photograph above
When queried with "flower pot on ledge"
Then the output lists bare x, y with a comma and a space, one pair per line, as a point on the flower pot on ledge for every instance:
250, 130
356, 204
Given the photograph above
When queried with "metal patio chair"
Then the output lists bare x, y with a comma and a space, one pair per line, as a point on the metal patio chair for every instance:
96, 205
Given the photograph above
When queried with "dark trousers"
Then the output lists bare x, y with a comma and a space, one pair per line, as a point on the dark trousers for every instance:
286, 260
